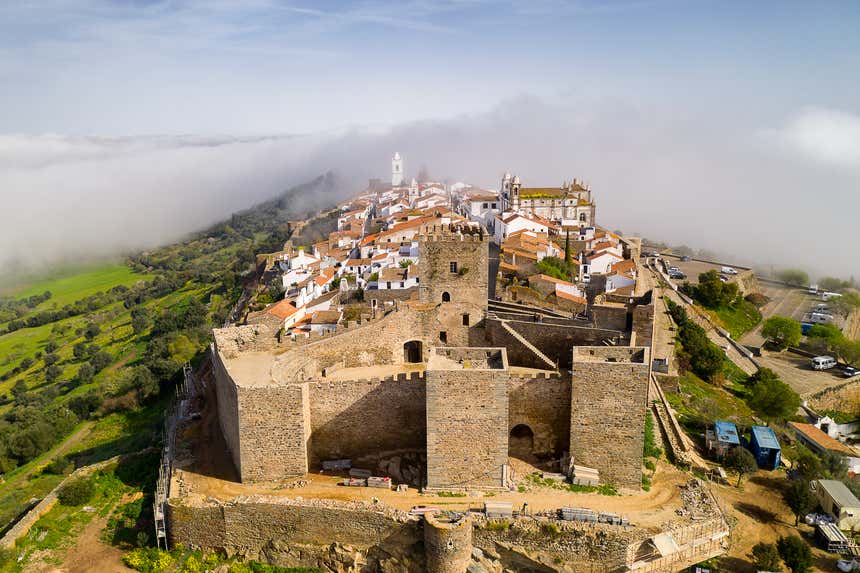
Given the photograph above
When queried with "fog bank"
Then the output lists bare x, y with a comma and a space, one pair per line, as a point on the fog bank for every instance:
781, 190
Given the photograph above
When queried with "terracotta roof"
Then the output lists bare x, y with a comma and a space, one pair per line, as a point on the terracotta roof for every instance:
282, 309
393, 274
552, 279
623, 267
568, 296
817, 436
326, 317
369, 239
484, 198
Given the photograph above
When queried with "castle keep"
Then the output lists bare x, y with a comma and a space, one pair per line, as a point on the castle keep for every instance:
462, 383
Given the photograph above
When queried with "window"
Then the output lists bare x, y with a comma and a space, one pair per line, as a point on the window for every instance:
388, 285
443, 337
402, 284
452, 266
485, 206
446, 297
465, 320
582, 216
494, 205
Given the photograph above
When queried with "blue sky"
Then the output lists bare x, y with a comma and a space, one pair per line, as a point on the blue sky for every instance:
268, 66
731, 126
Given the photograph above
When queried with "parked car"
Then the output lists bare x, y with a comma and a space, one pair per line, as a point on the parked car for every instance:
848, 565
728, 271
819, 518
851, 372
823, 362
685, 258
677, 275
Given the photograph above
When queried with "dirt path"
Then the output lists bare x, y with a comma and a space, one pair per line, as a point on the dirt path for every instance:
90, 554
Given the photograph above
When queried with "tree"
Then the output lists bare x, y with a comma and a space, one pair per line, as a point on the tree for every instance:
140, 319
712, 292
145, 383
92, 330
76, 492
795, 552
782, 331
795, 277
53, 372
807, 463
849, 351
86, 373
101, 360
51, 346
568, 256
51, 358
773, 399
741, 461
766, 557
798, 498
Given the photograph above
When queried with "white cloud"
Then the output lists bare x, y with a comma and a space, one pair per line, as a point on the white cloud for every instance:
824, 135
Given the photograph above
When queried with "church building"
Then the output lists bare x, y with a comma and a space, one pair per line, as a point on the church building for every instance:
570, 204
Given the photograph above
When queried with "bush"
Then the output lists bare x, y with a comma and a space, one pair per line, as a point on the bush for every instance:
76, 492
148, 560
58, 466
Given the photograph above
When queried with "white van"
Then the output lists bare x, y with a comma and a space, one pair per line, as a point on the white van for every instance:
823, 362
728, 271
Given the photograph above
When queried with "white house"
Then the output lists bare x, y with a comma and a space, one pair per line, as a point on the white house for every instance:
506, 224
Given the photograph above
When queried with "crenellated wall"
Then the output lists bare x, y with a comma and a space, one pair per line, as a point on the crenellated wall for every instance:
543, 404
362, 418
609, 390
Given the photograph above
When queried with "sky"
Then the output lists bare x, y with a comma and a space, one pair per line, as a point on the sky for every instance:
731, 126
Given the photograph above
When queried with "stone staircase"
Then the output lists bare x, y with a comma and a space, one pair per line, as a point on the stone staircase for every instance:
544, 358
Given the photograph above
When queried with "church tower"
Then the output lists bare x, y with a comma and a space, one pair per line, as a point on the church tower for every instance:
396, 170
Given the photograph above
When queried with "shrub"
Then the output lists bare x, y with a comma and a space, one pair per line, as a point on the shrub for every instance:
498, 525
76, 492
148, 560
550, 529
58, 466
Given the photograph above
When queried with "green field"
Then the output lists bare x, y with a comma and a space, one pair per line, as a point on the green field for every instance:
72, 284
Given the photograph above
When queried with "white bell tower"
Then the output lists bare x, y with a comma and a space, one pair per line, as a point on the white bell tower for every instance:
396, 170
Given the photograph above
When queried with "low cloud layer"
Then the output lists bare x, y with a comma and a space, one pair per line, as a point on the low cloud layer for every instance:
783, 192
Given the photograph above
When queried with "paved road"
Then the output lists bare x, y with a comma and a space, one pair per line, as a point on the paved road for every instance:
733, 354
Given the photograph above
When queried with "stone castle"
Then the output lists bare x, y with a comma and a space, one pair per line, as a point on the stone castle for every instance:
462, 382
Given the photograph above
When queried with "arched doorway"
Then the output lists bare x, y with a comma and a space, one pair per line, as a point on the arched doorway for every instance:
413, 351
446, 297
521, 442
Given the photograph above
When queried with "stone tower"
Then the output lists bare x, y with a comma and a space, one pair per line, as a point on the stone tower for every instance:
453, 279
396, 170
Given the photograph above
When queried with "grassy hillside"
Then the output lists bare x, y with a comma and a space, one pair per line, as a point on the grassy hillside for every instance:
88, 359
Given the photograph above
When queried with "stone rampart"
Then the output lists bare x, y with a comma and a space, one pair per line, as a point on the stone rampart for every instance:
467, 421
365, 418
543, 404
609, 389
227, 400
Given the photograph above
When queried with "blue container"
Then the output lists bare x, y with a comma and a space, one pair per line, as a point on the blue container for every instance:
765, 447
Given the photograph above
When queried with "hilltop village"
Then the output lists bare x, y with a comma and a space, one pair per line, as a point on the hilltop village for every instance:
433, 376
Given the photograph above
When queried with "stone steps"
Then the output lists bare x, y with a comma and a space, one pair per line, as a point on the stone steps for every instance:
544, 358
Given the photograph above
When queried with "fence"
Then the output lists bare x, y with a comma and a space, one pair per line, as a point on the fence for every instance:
176, 411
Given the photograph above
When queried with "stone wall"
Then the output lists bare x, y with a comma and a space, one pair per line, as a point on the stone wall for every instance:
610, 317
351, 536
294, 533
608, 402
552, 337
274, 424
467, 421
228, 408
542, 404
643, 325
362, 418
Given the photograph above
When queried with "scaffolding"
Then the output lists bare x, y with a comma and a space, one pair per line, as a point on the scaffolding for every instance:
177, 410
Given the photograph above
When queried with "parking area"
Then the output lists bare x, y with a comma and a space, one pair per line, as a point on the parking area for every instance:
693, 268
795, 371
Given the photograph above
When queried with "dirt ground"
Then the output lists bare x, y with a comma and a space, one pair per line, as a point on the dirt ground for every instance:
757, 513
797, 373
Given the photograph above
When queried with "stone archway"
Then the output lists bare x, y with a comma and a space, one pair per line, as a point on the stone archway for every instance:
413, 351
521, 442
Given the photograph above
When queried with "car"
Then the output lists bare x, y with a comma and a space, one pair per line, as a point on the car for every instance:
728, 271
677, 275
850, 372
822, 362
674, 270
848, 565
685, 258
